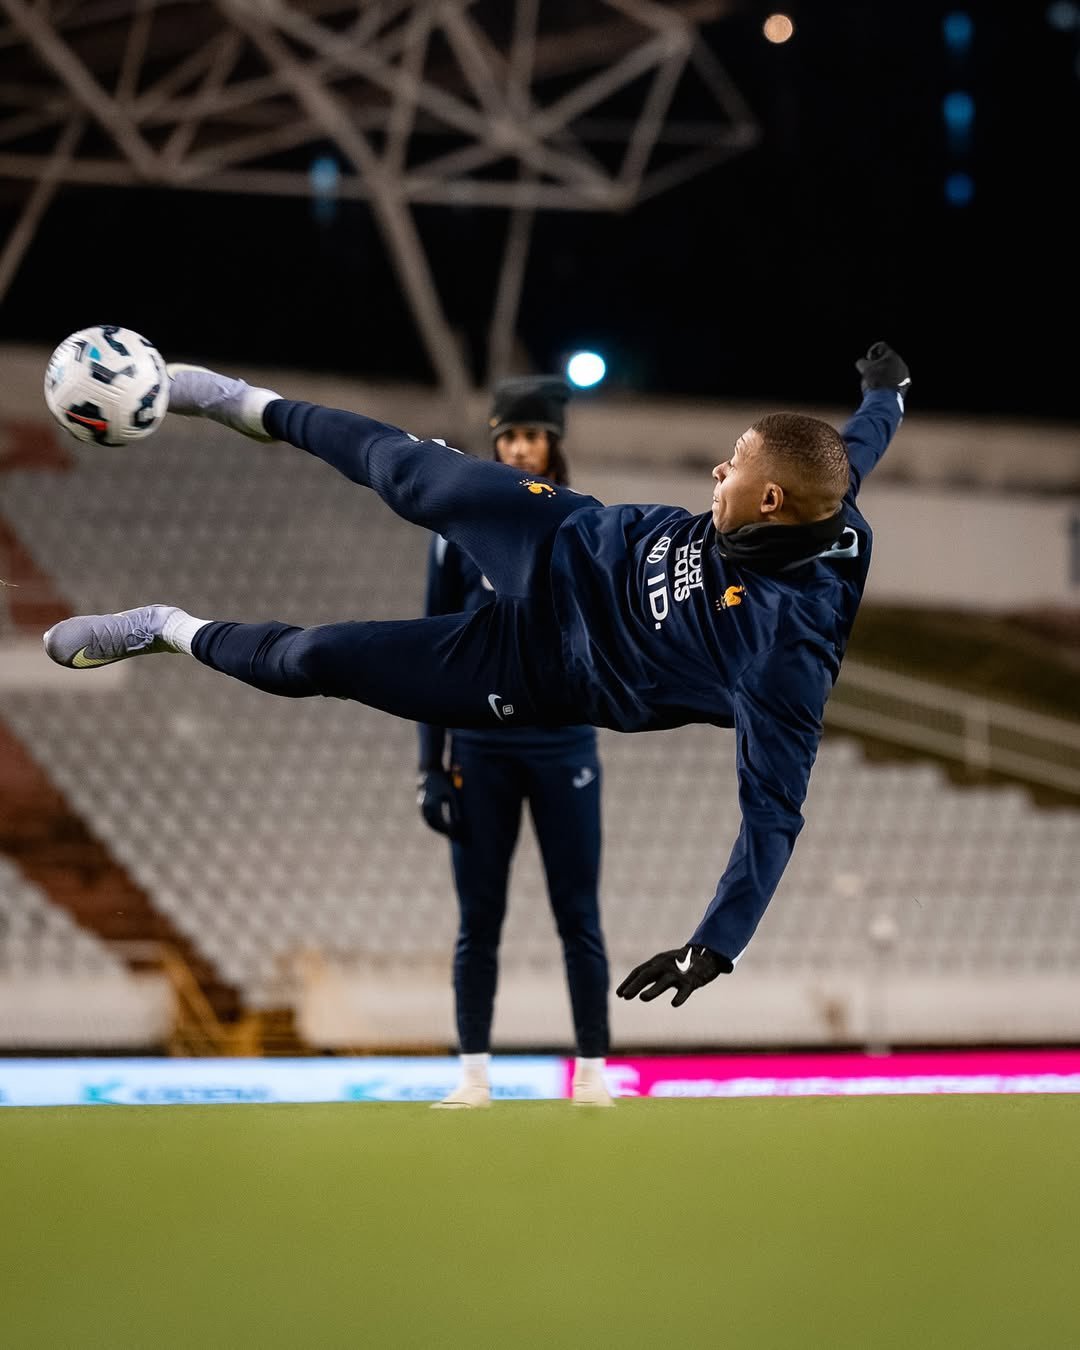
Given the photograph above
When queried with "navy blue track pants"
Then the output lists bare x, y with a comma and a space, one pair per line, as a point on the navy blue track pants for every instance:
563, 793
453, 670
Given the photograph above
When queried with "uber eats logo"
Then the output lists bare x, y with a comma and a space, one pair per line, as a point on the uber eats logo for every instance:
685, 577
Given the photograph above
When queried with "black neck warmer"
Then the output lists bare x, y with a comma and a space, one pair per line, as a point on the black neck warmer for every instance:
775, 548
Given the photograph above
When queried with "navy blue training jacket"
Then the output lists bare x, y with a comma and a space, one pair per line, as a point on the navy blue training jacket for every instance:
658, 631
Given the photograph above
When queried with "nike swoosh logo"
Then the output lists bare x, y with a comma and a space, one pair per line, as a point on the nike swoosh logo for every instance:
95, 422
680, 966
495, 700
83, 662
583, 779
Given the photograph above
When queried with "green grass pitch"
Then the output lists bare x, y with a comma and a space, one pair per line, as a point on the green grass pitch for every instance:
917, 1222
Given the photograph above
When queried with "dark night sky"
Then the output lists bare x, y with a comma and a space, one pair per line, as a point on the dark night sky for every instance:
762, 279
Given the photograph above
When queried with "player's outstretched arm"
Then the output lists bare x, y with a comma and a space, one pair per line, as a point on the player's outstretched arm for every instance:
778, 708
885, 380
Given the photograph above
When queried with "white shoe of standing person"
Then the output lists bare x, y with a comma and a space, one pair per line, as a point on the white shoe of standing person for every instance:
465, 1096
590, 1089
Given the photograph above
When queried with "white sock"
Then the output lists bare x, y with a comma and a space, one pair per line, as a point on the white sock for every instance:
179, 629
588, 1068
474, 1068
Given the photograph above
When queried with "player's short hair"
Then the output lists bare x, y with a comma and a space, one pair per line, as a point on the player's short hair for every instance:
809, 453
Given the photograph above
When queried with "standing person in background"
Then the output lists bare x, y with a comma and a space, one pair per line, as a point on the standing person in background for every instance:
473, 791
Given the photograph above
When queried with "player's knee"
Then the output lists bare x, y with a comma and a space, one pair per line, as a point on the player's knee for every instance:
479, 933
312, 660
581, 928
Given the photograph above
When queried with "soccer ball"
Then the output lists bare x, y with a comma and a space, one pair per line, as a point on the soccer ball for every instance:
107, 385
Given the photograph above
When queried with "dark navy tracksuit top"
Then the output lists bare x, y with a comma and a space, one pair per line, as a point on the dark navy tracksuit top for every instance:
659, 631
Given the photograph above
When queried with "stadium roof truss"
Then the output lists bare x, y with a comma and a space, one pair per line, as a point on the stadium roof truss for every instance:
517, 105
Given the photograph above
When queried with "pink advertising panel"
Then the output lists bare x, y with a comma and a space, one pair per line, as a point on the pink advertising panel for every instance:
843, 1074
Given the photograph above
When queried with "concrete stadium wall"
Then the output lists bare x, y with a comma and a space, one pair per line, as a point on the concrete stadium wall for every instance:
343, 1005
46, 1009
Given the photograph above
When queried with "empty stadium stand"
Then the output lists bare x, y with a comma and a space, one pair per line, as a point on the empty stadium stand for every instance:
280, 838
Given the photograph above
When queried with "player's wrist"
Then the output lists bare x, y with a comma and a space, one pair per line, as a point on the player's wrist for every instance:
708, 958
716, 963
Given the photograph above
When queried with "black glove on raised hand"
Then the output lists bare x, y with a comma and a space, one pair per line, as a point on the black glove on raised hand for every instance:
882, 368
438, 803
684, 970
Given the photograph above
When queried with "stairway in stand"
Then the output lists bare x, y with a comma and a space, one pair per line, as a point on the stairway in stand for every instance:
54, 850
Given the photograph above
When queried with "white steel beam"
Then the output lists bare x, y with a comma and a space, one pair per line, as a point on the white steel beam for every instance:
134, 52
643, 138
508, 294
347, 72
224, 59
37, 203
474, 65
390, 208
504, 136
403, 109
521, 62
26, 123
82, 85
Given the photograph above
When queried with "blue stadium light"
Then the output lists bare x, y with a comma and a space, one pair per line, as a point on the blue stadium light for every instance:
959, 189
1063, 15
585, 369
958, 110
958, 29
324, 176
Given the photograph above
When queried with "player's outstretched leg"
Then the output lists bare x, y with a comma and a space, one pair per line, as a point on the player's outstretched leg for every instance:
195, 391
90, 640
494, 665
504, 521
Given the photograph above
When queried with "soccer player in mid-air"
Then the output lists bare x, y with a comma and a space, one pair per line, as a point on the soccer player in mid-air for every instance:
632, 617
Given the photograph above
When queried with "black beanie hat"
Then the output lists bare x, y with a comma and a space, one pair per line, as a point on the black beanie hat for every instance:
529, 401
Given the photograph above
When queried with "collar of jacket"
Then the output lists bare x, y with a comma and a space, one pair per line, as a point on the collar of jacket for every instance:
777, 548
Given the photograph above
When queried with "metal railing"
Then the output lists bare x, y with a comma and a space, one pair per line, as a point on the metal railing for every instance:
197, 1030
984, 734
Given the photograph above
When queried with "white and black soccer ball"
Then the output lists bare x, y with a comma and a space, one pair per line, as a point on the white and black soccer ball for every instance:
107, 385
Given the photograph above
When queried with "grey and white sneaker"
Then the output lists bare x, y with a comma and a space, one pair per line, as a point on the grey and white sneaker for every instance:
90, 640
195, 391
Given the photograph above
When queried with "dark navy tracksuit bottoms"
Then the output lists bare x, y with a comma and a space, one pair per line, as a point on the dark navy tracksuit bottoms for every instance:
562, 786
454, 670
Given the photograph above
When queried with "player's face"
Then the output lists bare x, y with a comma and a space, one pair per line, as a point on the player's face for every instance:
741, 486
526, 448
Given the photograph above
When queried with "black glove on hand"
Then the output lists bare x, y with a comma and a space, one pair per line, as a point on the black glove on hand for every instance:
684, 970
438, 803
882, 368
